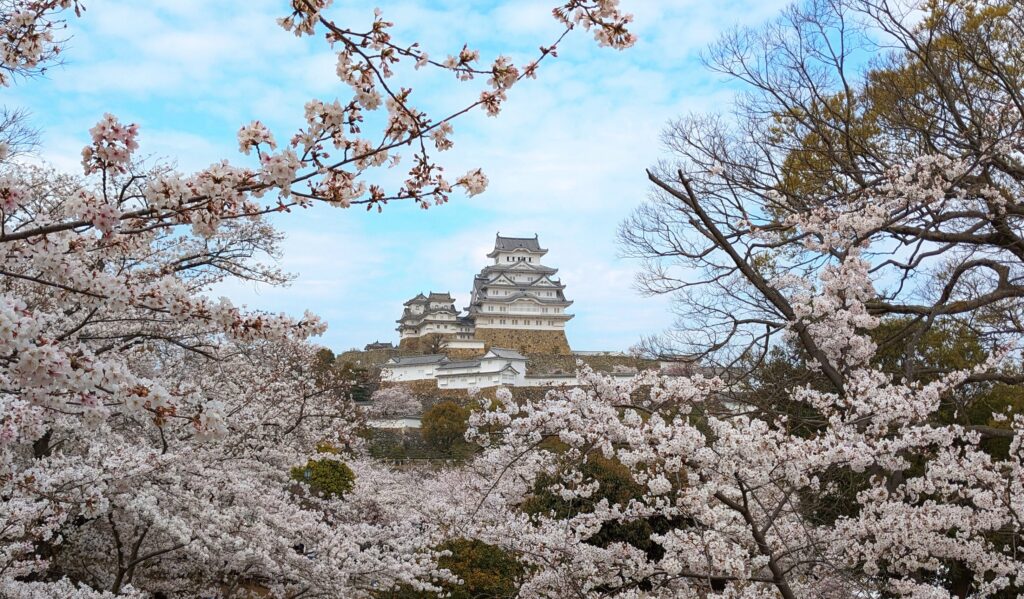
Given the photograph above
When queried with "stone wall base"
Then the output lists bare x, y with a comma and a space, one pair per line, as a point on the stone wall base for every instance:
464, 354
429, 393
525, 341
427, 344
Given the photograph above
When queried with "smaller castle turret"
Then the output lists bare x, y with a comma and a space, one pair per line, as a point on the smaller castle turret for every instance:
427, 314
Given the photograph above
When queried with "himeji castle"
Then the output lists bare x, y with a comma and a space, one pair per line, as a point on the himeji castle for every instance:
516, 302
517, 291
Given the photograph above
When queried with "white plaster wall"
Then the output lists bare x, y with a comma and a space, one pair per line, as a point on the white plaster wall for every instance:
398, 373
488, 321
480, 380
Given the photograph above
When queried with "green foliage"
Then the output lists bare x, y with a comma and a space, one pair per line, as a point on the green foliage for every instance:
443, 427
618, 487
324, 358
360, 382
947, 345
906, 349
486, 571
327, 478
944, 347
901, 108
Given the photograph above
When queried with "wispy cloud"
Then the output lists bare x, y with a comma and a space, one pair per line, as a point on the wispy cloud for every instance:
566, 158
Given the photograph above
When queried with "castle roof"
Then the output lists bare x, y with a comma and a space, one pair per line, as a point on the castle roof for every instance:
508, 354
509, 244
434, 297
417, 360
514, 266
409, 318
505, 299
543, 282
459, 364
442, 374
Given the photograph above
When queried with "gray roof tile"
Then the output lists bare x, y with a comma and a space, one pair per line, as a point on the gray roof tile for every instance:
413, 360
507, 244
508, 354
460, 364
514, 243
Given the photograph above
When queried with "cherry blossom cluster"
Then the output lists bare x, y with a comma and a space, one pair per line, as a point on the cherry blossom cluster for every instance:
153, 508
332, 145
27, 38
112, 146
742, 489
609, 25
836, 314
397, 400
11, 195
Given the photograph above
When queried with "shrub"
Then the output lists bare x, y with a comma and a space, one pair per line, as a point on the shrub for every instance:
486, 571
327, 478
444, 425
615, 485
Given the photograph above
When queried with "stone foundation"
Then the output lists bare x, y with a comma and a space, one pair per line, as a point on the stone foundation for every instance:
539, 364
428, 392
427, 344
525, 342
464, 354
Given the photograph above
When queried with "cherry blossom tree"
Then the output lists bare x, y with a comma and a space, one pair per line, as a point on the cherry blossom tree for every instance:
147, 430
397, 400
848, 217
741, 500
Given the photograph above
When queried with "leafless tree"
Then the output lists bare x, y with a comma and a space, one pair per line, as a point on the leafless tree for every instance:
839, 101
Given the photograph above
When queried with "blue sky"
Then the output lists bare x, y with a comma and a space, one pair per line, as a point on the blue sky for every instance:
565, 158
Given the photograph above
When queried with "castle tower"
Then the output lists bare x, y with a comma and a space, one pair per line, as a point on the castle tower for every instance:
516, 301
426, 320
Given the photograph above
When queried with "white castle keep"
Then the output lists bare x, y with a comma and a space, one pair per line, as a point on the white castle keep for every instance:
512, 297
517, 291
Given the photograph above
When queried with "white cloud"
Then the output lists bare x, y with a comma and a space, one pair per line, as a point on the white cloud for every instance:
566, 157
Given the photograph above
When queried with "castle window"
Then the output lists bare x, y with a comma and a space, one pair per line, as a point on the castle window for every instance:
515, 322
502, 321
